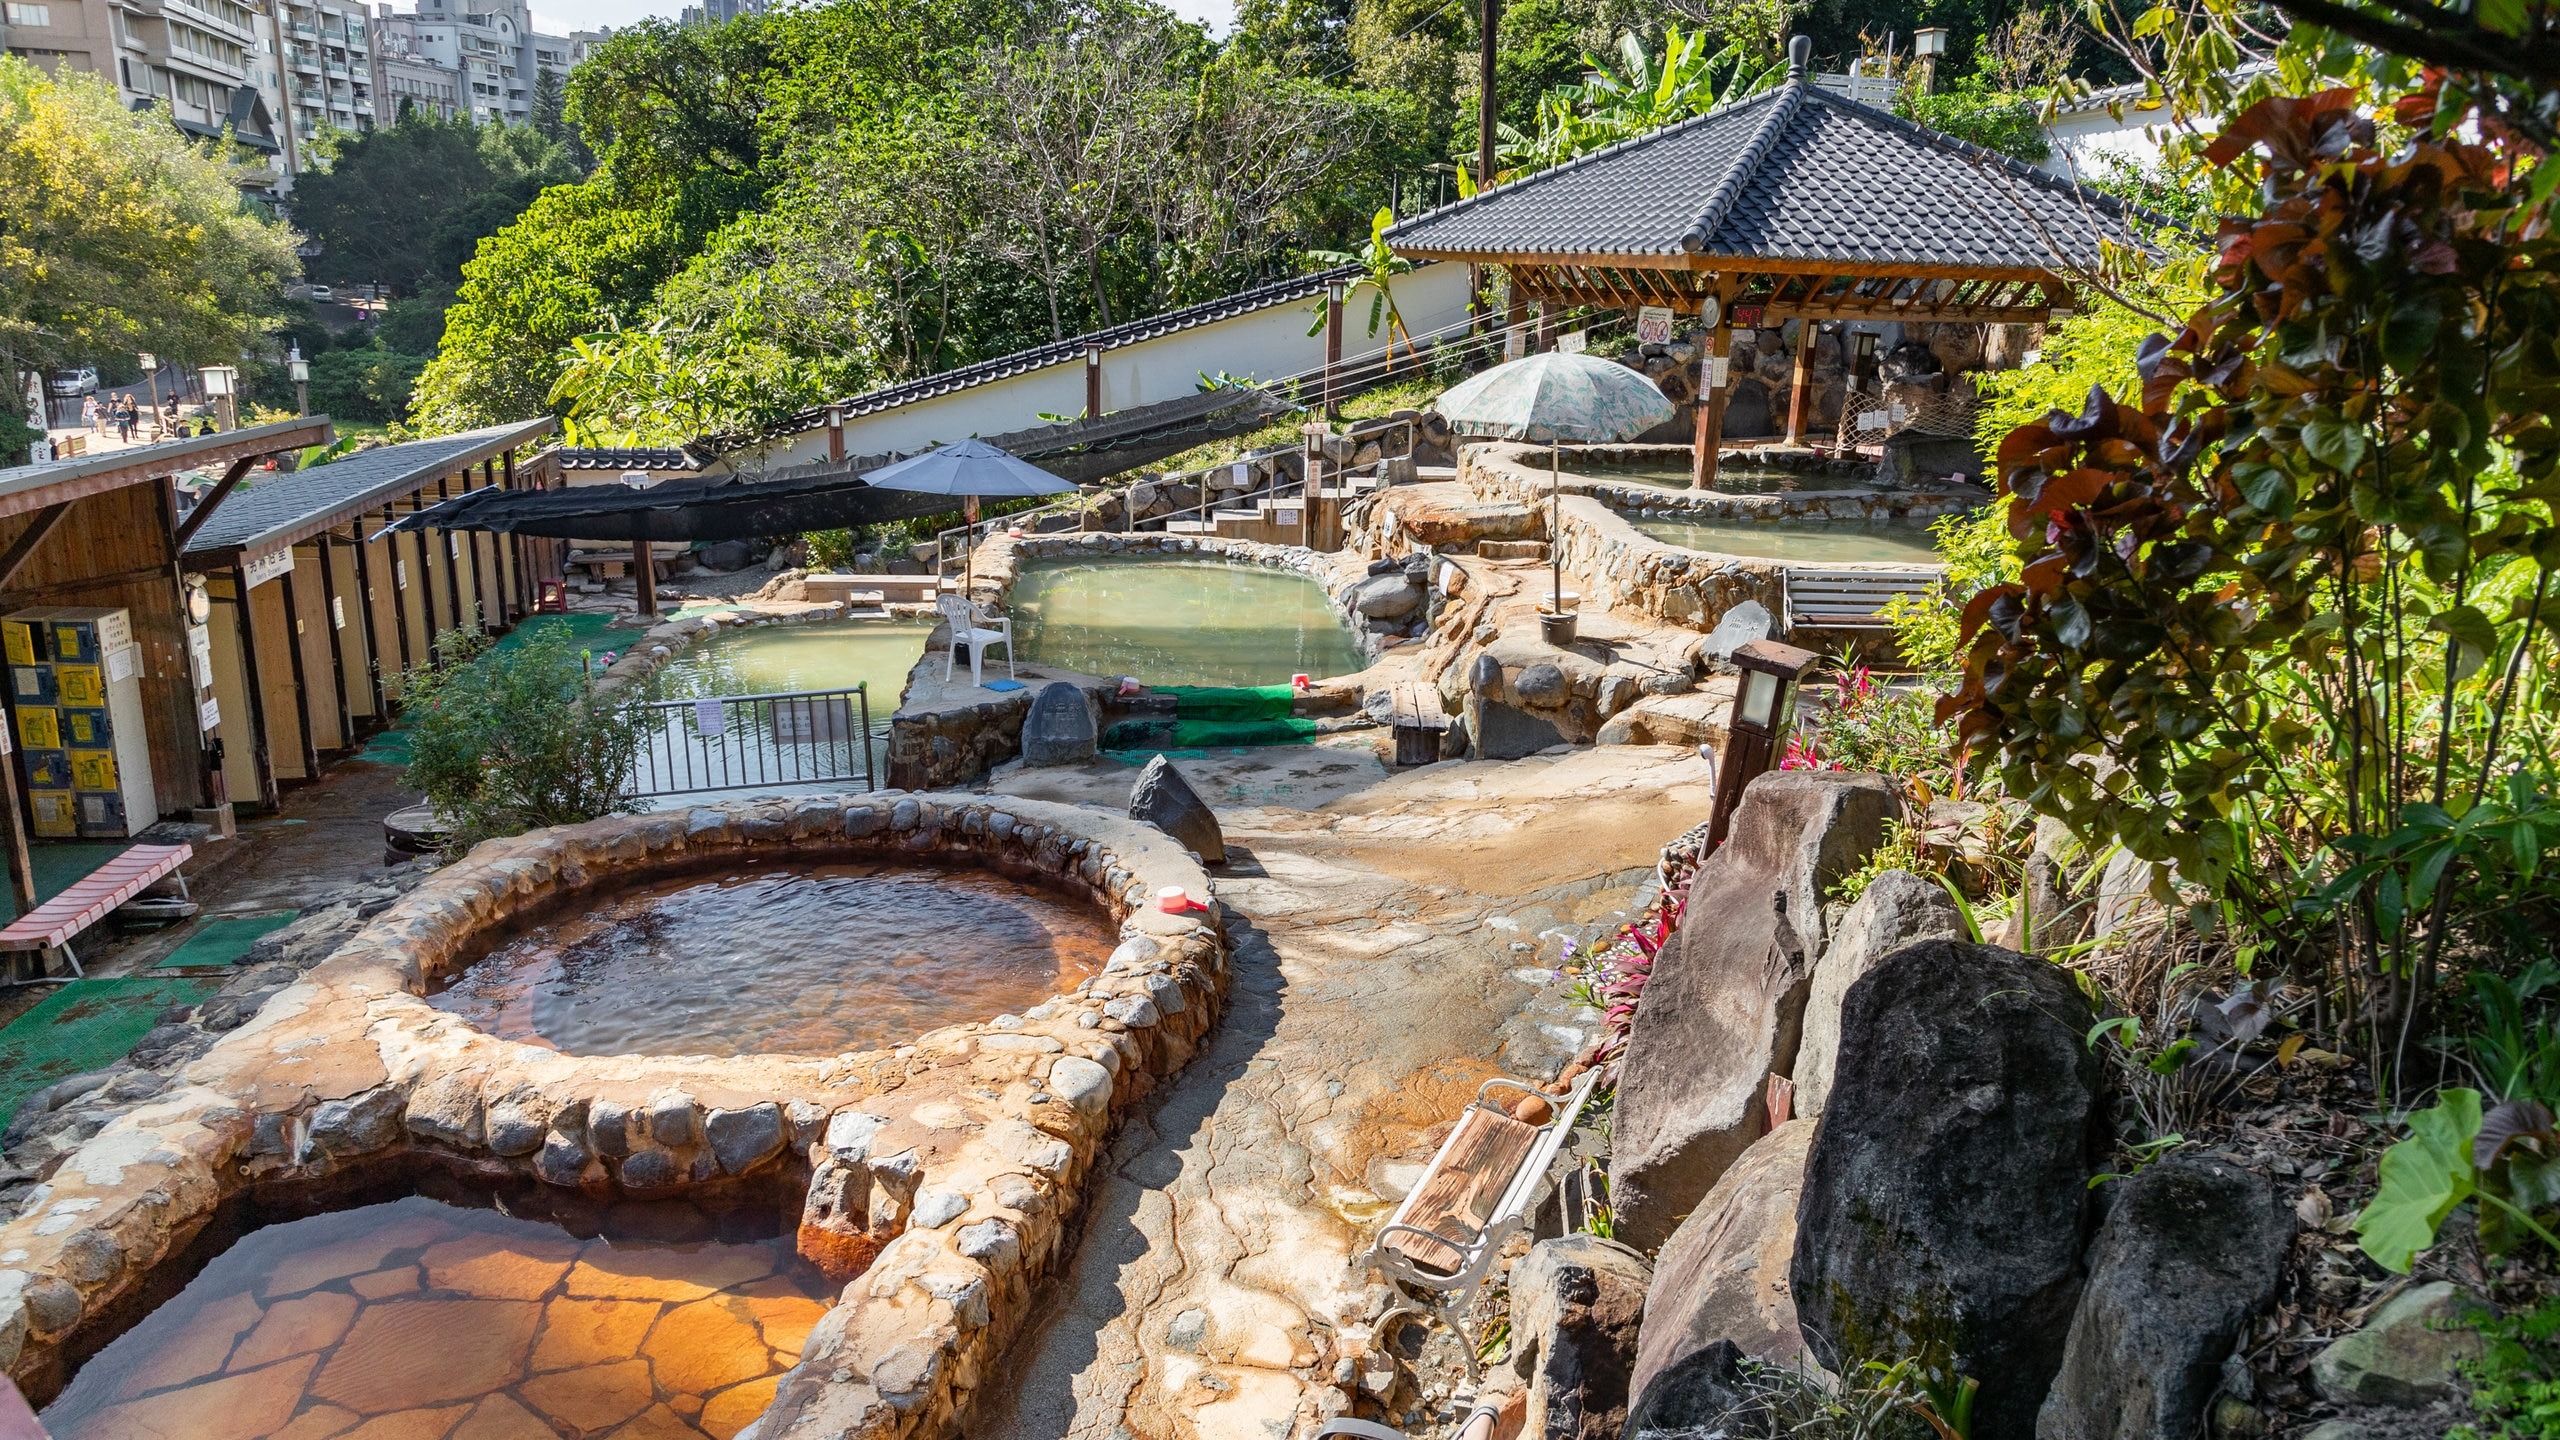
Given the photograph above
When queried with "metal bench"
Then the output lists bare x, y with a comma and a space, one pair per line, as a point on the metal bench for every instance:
91, 898
1477, 1190
1851, 599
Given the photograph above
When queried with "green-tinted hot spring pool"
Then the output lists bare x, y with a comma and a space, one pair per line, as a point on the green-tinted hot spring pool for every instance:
1805, 540
416, 1319
822, 655
815, 960
1180, 622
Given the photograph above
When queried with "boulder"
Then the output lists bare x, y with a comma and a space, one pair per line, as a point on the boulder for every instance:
1576, 1303
1543, 685
2406, 1353
1507, 732
1897, 909
1700, 1395
1165, 800
1386, 597
1724, 1274
1946, 1204
723, 556
2190, 1252
1061, 728
1725, 1006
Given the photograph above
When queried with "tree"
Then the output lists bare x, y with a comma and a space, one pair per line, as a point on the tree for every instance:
505, 741
574, 263
406, 204
118, 234
2285, 611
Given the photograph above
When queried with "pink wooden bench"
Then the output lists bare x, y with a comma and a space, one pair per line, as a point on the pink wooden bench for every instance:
92, 898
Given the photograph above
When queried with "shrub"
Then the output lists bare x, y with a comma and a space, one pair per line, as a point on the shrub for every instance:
2515, 1386
508, 740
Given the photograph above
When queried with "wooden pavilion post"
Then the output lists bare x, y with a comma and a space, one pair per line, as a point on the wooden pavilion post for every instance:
301, 684
332, 616
1711, 396
259, 753
1807, 333
371, 630
446, 545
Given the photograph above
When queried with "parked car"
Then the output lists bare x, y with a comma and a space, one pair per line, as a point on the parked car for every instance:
83, 381
322, 293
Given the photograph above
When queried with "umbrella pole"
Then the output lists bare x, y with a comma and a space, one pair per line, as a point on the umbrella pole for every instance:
1555, 529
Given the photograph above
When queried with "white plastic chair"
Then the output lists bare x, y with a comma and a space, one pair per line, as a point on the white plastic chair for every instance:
970, 628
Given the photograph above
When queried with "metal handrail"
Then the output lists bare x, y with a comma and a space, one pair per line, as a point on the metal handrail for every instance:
968, 533
778, 737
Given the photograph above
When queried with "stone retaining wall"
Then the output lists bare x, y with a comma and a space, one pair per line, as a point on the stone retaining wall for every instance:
951, 1165
661, 643
1620, 567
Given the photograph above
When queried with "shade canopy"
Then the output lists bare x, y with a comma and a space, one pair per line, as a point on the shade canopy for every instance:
969, 467
677, 509
1555, 398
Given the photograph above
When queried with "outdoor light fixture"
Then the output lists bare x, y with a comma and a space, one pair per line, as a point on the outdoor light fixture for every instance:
297, 367
1929, 43
221, 384
1763, 713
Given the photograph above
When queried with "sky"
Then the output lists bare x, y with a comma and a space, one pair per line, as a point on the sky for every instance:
562, 16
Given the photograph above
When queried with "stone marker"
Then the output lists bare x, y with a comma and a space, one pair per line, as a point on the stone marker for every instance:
1165, 800
1745, 622
1723, 1009
1946, 1204
1060, 730
2190, 1252
1507, 732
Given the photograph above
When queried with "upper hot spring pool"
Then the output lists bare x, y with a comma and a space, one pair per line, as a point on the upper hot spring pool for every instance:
414, 1318
820, 655
1807, 540
808, 961
1180, 622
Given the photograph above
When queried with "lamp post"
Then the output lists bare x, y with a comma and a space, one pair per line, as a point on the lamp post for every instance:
151, 368
1763, 712
300, 370
1926, 46
1093, 382
1316, 433
1334, 293
220, 381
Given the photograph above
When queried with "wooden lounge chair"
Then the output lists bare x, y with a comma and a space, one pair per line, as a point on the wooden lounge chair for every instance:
1477, 1190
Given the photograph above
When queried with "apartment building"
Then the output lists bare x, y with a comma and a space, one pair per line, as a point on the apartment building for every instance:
487, 51
327, 48
212, 65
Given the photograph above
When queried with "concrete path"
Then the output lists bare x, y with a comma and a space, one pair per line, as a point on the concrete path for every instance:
1381, 920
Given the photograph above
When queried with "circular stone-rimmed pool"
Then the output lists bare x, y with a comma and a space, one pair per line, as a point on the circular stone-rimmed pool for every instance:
1179, 621
797, 959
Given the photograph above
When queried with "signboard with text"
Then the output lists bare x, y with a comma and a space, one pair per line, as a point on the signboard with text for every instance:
1653, 325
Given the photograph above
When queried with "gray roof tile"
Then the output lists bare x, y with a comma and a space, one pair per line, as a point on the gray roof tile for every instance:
1793, 174
285, 508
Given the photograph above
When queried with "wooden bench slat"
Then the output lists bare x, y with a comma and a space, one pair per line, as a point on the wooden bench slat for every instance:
92, 897
1484, 1154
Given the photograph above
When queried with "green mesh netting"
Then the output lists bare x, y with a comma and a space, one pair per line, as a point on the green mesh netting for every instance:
225, 940
1216, 717
85, 1025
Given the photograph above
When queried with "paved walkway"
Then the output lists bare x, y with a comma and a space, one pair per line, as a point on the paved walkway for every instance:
1376, 918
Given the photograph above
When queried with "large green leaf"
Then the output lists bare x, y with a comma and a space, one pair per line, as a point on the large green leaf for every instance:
2422, 1178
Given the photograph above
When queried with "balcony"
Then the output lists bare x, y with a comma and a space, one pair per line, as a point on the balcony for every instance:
301, 31
310, 63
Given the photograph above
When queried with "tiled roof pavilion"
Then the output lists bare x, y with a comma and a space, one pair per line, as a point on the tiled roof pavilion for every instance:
1800, 201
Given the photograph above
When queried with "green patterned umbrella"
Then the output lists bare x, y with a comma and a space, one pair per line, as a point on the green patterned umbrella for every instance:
1550, 399
1555, 397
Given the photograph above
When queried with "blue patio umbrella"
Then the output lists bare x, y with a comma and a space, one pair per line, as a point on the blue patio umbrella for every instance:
972, 469
1549, 399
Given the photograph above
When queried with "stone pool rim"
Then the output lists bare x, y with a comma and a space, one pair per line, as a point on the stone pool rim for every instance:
991, 1125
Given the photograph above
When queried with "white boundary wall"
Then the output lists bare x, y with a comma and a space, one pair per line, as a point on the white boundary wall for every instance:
1266, 344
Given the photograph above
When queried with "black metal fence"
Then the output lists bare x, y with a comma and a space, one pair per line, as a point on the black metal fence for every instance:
746, 742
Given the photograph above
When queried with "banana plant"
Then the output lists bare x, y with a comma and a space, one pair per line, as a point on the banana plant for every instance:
1379, 264
1644, 92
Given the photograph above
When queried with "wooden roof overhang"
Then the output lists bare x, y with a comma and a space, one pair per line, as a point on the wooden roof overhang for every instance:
1789, 290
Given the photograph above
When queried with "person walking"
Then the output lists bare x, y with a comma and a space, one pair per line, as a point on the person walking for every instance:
128, 418
89, 414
